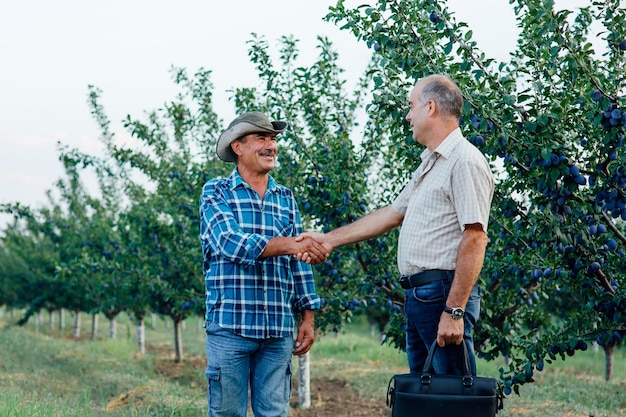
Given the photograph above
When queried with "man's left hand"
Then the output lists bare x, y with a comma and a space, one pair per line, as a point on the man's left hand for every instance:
306, 334
449, 331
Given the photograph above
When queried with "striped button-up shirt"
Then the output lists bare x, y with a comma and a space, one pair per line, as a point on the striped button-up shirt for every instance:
249, 296
452, 187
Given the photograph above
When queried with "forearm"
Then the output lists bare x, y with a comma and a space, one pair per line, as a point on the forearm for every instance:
469, 263
308, 317
278, 246
374, 224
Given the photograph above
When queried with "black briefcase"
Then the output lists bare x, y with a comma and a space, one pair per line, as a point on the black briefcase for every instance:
436, 395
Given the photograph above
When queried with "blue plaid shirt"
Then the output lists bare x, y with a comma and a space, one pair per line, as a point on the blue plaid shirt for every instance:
249, 296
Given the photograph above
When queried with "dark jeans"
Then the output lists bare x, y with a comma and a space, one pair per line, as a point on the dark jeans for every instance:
423, 308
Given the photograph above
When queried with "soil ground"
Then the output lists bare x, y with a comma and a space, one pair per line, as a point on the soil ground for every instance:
329, 397
334, 398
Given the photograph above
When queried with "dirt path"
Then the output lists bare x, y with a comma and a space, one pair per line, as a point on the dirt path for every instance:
334, 398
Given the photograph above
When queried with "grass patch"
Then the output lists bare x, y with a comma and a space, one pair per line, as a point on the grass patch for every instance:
571, 388
48, 373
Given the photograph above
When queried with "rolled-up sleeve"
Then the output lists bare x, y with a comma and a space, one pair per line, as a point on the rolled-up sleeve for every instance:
220, 232
305, 296
304, 283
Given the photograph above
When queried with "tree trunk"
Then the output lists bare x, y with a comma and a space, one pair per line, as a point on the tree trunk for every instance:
94, 326
61, 319
304, 381
51, 319
113, 328
77, 324
141, 335
609, 350
38, 320
178, 339
23, 315
153, 320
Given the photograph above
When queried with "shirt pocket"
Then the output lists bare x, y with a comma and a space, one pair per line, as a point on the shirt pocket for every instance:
280, 221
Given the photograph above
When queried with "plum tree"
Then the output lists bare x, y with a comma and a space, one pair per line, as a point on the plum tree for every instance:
551, 122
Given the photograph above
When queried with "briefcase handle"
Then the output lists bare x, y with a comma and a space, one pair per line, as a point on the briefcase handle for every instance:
428, 365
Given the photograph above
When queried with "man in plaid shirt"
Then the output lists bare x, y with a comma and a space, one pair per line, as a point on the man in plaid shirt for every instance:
254, 284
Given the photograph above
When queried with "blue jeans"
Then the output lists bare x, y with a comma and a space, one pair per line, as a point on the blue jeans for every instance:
235, 362
423, 307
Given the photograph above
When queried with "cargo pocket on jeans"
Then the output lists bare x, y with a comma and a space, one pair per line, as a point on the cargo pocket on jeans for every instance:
288, 383
214, 386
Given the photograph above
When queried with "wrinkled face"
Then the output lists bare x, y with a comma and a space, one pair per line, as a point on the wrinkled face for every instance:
257, 151
418, 112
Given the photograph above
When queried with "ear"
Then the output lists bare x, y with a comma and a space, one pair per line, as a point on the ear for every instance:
236, 147
432, 108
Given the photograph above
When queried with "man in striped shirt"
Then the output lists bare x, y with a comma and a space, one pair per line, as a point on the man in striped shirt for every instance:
444, 212
255, 287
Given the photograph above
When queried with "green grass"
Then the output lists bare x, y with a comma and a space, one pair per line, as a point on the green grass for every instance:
574, 387
48, 373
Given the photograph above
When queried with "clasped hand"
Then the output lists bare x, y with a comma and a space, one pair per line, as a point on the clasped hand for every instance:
314, 248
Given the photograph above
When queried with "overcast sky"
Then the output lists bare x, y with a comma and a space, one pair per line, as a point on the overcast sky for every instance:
52, 50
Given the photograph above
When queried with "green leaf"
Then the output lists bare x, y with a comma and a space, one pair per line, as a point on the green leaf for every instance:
509, 99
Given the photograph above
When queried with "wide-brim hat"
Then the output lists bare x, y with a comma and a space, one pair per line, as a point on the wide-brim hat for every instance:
245, 124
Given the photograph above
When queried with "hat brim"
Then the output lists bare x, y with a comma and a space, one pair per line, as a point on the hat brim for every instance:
225, 152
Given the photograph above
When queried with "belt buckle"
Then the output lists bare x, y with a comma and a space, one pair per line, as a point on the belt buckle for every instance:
405, 282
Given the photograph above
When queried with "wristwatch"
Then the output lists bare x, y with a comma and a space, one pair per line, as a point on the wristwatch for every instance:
457, 313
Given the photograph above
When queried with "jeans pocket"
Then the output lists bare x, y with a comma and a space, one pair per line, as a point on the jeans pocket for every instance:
214, 386
288, 383
433, 292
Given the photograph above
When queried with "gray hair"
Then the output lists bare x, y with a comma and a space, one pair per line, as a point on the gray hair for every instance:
443, 91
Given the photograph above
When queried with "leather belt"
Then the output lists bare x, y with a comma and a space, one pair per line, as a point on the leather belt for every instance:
425, 277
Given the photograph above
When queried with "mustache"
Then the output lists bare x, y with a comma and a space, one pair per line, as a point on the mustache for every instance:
267, 152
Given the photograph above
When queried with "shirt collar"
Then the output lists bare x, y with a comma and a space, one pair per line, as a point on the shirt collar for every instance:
236, 181
446, 147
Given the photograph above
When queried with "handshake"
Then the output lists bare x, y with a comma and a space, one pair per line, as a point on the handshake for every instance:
312, 247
